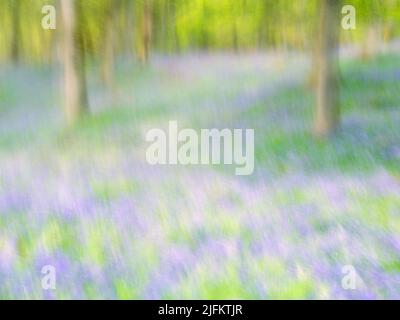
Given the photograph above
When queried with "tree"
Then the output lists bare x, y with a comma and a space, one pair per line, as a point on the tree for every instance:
110, 28
327, 109
76, 104
15, 31
146, 30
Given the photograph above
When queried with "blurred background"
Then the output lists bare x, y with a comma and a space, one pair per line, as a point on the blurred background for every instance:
81, 85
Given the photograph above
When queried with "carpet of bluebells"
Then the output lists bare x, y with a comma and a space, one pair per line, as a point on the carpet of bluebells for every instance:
84, 200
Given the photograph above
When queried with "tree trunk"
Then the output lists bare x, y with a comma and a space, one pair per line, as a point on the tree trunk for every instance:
146, 31
235, 40
75, 96
108, 54
15, 35
372, 41
129, 7
327, 112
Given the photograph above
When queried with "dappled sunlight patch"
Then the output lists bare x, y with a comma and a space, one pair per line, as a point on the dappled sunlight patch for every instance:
204, 282
101, 241
109, 191
59, 235
8, 252
125, 290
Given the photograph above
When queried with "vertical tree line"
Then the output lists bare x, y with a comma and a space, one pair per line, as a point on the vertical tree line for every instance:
109, 41
98, 29
15, 32
73, 59
146, 30
327, 109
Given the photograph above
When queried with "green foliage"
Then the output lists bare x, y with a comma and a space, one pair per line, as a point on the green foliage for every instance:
125, 291
185, 24
227, 284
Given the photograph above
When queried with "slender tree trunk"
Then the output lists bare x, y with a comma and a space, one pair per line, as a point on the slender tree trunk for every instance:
371, 43
130, 37
16, 30
107, 68
108, 54
146, 31
235, 40
177, 43
75, 96
327, 112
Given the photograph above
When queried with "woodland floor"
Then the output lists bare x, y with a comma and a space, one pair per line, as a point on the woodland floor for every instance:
84, 199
